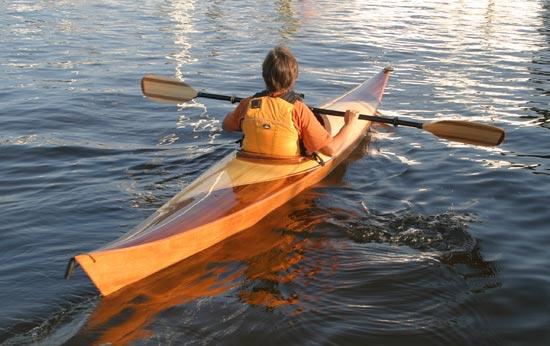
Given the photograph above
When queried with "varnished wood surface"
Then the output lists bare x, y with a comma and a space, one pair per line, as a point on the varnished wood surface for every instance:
231, 196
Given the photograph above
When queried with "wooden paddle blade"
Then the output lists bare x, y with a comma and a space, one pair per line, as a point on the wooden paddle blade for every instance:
167, 89
466, 132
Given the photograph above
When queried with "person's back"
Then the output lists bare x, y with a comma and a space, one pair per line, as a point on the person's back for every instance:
268, 126
276, 123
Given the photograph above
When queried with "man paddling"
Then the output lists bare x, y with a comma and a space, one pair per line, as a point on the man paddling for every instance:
276, 123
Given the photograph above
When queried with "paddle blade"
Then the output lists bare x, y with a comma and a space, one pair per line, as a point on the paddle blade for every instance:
466, 132
166, 89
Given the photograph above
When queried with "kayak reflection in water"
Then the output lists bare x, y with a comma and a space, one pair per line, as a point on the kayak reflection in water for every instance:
276, 123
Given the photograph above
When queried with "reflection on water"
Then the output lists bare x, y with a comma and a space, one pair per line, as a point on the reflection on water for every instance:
182, 13
540, 72
254, 263
289, 19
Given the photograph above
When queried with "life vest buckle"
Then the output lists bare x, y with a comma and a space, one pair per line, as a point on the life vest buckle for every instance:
318, 159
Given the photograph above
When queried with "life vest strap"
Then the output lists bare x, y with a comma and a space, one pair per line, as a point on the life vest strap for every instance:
268, 159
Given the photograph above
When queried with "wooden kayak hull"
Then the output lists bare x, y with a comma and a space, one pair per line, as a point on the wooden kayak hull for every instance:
231, 196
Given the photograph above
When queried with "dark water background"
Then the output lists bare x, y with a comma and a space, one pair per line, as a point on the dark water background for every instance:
413, 240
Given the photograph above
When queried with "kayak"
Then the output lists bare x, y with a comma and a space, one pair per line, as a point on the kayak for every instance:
228, 198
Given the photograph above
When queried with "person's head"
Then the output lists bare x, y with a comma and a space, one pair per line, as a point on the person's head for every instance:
280, 69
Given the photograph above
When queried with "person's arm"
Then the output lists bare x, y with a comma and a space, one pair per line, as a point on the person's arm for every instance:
314, 135
232, 121
231, 124
338, 140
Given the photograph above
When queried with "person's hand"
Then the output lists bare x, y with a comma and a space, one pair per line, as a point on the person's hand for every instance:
351, 117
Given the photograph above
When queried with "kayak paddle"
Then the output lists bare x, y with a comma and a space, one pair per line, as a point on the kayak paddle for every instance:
169, 89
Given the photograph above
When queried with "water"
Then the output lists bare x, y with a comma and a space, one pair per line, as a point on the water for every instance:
413, 240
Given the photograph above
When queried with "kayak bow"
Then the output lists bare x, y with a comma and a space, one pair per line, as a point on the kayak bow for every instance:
231, 196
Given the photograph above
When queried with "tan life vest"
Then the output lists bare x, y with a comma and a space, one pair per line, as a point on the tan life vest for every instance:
268, 126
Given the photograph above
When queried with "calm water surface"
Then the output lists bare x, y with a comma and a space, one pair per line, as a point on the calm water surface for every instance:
413, 240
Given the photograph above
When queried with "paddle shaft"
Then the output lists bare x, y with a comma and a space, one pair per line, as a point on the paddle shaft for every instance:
232, 99
393, 121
